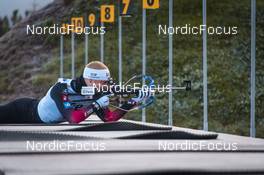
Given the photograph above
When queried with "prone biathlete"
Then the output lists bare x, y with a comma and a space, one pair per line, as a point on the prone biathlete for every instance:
52, 109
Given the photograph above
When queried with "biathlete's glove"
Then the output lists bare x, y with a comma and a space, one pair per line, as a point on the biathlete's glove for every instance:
143, 94
103, 102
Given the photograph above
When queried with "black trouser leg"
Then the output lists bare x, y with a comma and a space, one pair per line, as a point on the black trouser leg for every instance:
23, 110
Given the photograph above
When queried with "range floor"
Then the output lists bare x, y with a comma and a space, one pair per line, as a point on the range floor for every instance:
125, 147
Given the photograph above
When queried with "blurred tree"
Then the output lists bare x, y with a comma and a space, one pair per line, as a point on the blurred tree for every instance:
16, 17
1, 27
27, 13
4, 25
67, 2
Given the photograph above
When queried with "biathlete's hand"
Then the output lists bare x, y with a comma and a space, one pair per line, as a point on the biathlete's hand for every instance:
142, 95
103, 102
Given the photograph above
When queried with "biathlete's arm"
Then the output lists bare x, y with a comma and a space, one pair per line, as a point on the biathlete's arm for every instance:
107, 115
100, 107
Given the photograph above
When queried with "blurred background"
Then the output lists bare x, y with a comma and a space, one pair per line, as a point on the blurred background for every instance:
30, 63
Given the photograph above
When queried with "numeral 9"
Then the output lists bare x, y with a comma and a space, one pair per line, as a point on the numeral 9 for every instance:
91, 19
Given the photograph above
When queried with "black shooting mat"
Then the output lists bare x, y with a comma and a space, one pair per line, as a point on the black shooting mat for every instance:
94, 128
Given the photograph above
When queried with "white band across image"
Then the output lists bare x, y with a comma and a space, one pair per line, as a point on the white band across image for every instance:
96, 74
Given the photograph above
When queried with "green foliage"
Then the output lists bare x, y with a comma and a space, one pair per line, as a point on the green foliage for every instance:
45, 80
4, 25
3, 82
16, 17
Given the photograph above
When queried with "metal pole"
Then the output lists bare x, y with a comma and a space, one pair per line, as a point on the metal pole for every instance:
102, 45
61, 56
253, 69
170, 119
73, 55
120, 49
143, 54
86, 49
86, 41
205, 97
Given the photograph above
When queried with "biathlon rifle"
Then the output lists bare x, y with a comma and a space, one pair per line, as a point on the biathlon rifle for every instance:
119, 92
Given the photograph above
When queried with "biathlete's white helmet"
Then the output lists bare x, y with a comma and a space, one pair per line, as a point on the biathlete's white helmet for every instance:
96, 70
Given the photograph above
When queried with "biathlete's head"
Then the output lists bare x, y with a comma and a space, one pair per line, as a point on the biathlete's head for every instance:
96, 73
